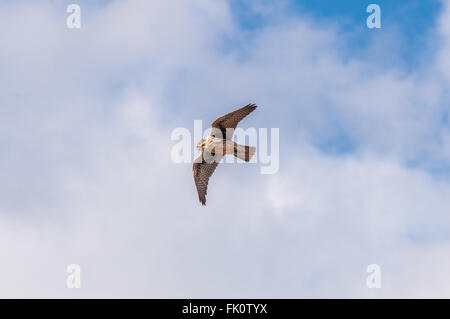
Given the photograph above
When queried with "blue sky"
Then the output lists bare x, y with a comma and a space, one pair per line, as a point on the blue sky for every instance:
86, 175
409, 27
412, 17
412, 22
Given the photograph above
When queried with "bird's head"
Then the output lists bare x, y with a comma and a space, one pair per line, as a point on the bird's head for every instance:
201, 144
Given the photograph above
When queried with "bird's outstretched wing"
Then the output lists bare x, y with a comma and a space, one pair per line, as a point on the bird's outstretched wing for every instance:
231, 120
202, 171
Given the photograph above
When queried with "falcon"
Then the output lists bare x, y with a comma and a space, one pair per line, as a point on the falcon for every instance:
218, 144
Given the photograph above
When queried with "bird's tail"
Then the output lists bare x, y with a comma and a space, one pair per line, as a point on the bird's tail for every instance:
244, 152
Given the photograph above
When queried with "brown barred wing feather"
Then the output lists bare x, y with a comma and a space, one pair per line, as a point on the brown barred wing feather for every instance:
231, 120
202, 172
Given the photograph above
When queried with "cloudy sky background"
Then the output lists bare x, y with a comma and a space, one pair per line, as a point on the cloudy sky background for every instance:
86, 175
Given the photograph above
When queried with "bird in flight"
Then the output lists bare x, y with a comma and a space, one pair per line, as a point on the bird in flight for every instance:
218, 144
